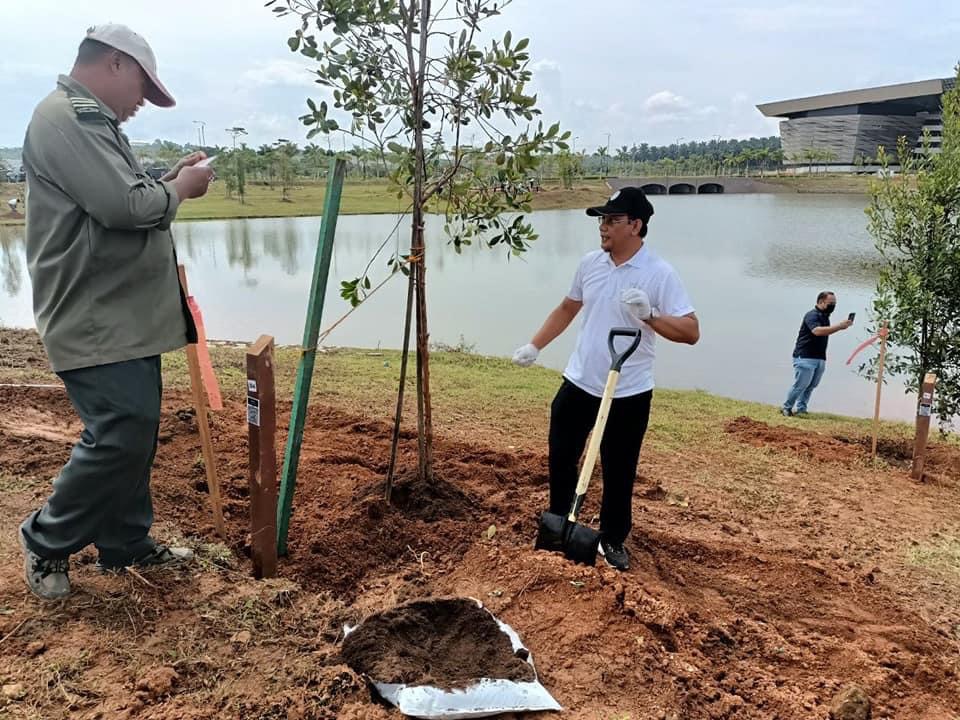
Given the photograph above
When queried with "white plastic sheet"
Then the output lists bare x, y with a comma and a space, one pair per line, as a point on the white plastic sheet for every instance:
487, 697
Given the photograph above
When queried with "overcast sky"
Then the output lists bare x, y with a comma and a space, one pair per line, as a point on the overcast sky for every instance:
642, 71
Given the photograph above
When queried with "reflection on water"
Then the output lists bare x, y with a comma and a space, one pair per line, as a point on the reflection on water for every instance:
12, 261
753, 264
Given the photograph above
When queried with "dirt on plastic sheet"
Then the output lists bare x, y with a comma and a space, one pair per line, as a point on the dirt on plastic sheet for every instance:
444, 642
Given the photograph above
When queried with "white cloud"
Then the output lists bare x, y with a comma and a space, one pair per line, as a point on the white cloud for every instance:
665, 103
279, 72
544, 66
800, 17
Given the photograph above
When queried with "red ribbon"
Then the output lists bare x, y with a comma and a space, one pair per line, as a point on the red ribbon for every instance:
865, 344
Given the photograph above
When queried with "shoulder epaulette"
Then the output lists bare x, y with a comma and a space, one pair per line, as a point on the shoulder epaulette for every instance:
86, 109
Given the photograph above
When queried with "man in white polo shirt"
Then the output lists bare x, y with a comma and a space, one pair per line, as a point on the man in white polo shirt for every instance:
622, 284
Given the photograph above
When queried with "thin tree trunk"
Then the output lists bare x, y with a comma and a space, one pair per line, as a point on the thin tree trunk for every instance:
423, 337
395, 441
424, 414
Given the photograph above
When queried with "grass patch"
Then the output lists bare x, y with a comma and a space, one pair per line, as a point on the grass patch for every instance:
374, 197
838, 183
492, 393
942, 555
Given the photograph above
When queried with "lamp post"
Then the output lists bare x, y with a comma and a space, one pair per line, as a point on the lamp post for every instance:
200, 132
606, 159
234, 131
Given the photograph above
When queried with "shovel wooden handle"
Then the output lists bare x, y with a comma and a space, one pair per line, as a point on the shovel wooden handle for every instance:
596, 437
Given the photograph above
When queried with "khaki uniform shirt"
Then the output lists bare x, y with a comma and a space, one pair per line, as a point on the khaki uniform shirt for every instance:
99, 249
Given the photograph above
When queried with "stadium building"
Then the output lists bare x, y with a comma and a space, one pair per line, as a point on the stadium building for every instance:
841, 131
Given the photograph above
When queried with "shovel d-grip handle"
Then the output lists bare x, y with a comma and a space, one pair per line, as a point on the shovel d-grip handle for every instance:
593, 450
617, 361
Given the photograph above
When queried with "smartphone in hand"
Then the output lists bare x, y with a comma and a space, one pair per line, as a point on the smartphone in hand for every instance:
851, 316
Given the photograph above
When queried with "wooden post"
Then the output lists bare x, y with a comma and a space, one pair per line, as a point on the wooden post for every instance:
200, 404
262, 430
924, 410
876, 408
311, 330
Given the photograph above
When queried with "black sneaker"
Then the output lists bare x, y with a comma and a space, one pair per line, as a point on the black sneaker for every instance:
615, 555
163, 555
160, 556
786, 412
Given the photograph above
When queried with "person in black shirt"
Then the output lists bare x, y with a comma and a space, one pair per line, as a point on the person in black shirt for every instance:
810, 352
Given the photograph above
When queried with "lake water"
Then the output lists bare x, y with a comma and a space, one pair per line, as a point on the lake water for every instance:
752, 264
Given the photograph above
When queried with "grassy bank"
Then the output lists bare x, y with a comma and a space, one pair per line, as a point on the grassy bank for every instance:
307, 200
375, 197
834, 183
489, 394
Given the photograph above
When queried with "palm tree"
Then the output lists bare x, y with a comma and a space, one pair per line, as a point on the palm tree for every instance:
623, 155
762, 156
602, 154
776, 157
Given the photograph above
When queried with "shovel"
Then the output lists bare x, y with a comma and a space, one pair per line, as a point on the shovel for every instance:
559, 533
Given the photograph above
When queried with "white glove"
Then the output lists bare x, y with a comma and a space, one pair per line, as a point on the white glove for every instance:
636, 304
526, 356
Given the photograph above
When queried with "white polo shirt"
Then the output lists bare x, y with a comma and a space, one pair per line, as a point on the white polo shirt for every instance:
598, 284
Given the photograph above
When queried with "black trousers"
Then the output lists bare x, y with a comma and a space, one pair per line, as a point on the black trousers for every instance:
572, 416
102, 495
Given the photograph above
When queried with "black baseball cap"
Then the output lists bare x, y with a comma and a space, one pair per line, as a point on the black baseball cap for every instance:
630, 201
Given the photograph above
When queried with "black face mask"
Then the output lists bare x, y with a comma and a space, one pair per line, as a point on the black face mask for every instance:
830, 308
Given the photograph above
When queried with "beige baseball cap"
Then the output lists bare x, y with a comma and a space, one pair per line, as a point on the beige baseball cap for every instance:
122, 38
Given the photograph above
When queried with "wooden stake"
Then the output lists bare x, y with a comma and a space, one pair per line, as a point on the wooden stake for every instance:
200, 404
876, 408
262, 429
924, 410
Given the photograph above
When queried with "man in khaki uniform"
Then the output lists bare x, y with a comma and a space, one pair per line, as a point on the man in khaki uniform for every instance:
107, 302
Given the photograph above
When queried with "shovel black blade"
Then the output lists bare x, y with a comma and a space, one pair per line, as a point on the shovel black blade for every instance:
577, 542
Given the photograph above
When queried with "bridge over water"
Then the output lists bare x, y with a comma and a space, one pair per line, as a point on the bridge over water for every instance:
693, 185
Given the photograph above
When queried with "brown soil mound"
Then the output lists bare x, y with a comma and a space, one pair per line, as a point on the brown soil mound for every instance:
447, 643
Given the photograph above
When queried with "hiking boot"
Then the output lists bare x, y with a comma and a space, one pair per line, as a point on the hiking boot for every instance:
786, 412
47, 579
160, 556
615, 555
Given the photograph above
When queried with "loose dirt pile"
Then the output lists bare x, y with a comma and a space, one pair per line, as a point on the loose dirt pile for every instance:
447, 642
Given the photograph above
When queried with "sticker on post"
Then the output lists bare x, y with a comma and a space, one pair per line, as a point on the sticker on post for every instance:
251, 386
253, 411
924, 410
